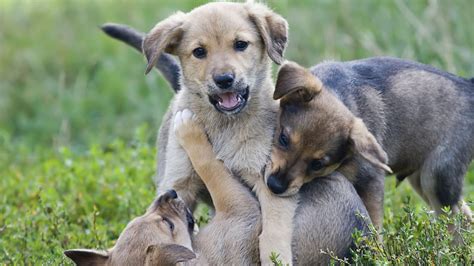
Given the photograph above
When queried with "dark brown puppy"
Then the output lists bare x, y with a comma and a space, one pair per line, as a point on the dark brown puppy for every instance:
422, 117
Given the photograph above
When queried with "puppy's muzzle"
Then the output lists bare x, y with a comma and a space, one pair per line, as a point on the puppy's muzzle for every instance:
276, 184
232, 99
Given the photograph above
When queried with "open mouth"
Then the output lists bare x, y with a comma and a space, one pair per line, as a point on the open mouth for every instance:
230, 102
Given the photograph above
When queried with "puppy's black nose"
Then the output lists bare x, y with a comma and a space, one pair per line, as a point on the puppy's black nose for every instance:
224, 81
276, 185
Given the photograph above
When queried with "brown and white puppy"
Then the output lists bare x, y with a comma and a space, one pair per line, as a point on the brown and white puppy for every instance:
225, 51
369, 117
325, 221
162, 236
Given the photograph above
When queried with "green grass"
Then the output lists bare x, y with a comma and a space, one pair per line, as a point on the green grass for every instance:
64, 82
412, 238
57, 200
76, 162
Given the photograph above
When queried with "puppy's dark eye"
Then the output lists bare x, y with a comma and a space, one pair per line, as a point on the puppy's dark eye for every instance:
284, 140
316, 165
240, 45
199, 52
170, 223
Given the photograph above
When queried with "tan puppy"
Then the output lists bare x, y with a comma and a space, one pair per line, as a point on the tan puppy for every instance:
324, 221
161, 236
225, 50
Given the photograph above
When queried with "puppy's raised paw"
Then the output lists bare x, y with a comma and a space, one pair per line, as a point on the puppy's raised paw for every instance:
186, 128
181, 118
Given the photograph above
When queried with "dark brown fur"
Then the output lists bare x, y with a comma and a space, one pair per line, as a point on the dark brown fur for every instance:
347, 124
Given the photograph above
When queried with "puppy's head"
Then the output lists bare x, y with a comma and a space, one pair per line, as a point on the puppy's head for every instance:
224, 49
316, 133
162, 236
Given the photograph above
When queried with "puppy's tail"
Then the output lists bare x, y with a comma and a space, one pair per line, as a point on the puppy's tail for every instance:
166, 64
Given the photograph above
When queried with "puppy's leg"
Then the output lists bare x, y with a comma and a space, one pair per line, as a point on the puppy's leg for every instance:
228, 195
277, 224
178, 171
442, 180
237, 221
226, 192
369, 184
373, 201
466, 210
415, 182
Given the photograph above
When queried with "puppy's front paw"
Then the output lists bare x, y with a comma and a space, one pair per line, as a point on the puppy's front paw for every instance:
186, 127
271, 245
181, 118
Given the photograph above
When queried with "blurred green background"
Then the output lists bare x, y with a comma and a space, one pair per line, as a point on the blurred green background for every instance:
63, 82
78, 118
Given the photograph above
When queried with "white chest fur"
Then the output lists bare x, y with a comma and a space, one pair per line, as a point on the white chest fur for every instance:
242, 142
244, 148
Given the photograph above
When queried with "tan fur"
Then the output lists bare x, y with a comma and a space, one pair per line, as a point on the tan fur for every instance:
277, 221
212, 171
147, 238
236, 224
242, 141
167, 255
163, 38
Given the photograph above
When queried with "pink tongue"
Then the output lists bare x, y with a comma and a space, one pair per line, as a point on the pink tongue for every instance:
228, 100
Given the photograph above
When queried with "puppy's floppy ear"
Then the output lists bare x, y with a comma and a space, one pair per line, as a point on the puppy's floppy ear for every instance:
365, 144
87, 257
167, 254
164, 37
273, 29
296, 82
